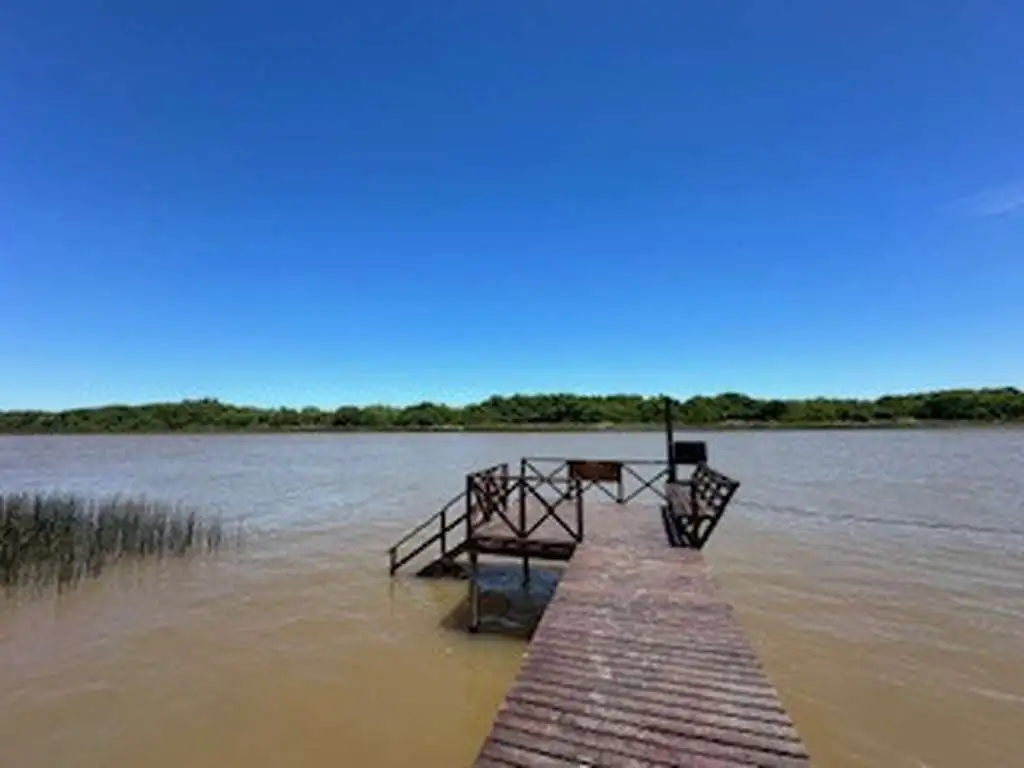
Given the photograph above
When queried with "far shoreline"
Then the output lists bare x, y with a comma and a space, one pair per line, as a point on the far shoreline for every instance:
507, 429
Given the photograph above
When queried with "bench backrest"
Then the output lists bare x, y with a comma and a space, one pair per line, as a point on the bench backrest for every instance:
695, 508
711, 489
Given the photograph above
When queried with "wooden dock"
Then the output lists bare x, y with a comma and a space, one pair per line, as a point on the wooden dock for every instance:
639, 661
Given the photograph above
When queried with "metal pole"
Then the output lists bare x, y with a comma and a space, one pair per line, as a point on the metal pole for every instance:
469, 507
474, 586
444, 531
669, 440
522, 507
474, 590
504, 488
579, 509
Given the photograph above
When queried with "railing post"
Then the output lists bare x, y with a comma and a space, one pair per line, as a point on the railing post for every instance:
469, 507
579, 509
492, 485
495, 491
669, 441
522, 506
474, 589
620, 496
444, 531
392, 556
474, 574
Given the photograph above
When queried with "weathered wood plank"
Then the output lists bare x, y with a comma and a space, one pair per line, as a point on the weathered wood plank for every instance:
639, 661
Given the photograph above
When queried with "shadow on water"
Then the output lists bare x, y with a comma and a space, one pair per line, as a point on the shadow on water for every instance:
508, 607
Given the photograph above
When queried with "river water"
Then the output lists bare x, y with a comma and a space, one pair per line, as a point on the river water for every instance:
879, 574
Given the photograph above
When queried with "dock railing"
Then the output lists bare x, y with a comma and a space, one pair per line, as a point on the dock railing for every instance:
619, 480
441, 527
505, 502
495, 494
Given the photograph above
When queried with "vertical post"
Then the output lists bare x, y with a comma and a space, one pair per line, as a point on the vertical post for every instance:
579, 509
620, 496
469, 507
391, 567
504, 488
526, 570
488, 494
522, 506
474, 589
444, 531
669, 439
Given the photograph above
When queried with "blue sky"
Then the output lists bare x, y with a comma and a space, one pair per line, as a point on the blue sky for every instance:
330, 202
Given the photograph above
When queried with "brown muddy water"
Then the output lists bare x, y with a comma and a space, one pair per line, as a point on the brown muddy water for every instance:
880, 575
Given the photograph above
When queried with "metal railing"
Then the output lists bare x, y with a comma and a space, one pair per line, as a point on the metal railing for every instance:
630, 478
443, 521
519, 504
511, 505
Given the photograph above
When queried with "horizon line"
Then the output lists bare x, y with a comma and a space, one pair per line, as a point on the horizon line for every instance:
498, 395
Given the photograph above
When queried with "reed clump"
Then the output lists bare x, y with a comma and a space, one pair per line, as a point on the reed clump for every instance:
58, 538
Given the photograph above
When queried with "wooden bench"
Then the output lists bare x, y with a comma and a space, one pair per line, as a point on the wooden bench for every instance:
696, 505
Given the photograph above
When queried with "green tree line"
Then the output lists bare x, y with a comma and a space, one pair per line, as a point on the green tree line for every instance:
531, 411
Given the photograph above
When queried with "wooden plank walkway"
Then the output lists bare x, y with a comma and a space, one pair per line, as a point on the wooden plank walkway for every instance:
639, 662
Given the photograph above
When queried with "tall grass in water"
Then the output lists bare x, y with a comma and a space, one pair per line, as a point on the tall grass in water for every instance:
61, 538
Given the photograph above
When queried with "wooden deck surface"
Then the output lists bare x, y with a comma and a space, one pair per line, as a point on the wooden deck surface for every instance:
638, 661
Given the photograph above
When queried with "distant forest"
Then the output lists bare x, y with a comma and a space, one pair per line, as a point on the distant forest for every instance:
522, 412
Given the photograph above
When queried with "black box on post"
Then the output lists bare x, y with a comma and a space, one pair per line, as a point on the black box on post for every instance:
690, 452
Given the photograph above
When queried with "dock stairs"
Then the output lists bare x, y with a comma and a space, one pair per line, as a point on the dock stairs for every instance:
444, 532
